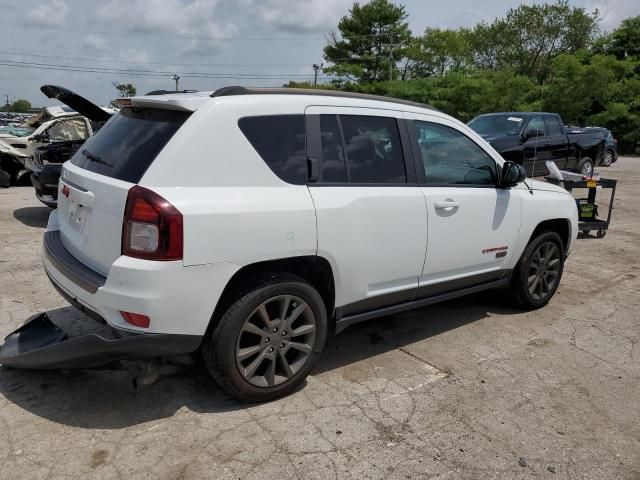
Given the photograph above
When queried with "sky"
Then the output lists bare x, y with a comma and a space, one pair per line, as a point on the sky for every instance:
230, 42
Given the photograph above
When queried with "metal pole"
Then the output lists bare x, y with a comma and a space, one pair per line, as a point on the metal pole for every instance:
176, 78
316, 68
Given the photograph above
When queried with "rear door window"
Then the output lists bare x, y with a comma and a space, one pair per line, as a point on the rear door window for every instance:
281, 142
129, 142
361, 149
553, 125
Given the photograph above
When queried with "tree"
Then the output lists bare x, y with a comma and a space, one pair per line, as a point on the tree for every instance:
529, 37
21, 105
125, 89
373, 38
439, 51
625, 40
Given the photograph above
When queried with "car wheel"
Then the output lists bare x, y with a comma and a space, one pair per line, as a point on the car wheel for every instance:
607, 158
585, 167
539, 270
268, 340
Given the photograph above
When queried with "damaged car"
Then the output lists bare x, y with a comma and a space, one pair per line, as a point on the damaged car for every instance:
46, 161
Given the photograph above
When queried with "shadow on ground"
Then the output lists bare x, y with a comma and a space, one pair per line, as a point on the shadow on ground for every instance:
33, 216
106, 399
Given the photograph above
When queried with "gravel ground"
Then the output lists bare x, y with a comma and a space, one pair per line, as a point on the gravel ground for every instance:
468, 389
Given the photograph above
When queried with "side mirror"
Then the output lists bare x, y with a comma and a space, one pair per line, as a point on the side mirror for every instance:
533, 133
512, 174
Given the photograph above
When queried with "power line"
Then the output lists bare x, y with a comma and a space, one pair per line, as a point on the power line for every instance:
149, 72
131, 62
156, 74
197, 37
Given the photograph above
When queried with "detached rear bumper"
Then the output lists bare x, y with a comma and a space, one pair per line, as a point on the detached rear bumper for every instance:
39, 344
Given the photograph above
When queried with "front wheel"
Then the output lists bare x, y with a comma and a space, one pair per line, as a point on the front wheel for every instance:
537, 275
585, 167
268, 340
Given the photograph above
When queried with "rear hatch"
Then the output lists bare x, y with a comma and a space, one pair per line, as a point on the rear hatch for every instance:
93, 187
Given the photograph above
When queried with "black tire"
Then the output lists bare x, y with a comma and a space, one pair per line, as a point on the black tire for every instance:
608, 157
5, 179
520, 285
220, 345
601, 233
582, 166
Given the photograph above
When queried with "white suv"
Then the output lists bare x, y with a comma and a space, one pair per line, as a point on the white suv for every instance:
250, 224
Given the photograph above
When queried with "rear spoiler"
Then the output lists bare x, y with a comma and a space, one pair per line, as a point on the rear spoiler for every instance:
183, 101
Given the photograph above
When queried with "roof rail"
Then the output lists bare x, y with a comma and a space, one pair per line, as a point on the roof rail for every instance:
166, 92
239, 90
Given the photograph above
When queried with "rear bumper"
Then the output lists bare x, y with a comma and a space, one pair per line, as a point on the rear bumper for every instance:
179, 300
40, 344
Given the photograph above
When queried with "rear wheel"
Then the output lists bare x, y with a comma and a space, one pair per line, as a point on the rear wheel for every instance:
538, 273
268, 340
607, 158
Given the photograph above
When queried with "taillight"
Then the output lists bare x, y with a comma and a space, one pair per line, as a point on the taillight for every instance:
152, 227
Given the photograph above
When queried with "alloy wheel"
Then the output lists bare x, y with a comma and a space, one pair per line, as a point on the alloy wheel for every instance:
587, 169
544, 271
607, 158
275, 341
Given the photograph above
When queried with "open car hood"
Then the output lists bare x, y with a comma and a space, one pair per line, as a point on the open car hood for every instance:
75, 101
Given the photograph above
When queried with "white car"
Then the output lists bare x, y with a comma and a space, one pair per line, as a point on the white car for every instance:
53, 124
250, 224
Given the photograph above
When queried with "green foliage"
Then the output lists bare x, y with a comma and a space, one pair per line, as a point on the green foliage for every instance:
625, 41
21, 106
370, 36
125, 89
536, 57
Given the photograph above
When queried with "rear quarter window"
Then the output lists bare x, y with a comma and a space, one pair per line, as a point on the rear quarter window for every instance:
280, 140
129, 142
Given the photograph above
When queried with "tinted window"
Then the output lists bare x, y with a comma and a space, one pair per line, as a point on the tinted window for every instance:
553, 125
129, 142
451, 158
373, 149
333, 166
280, 141
497, 124
535, 128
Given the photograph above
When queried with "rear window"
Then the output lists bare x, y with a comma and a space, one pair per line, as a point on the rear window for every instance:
129, 142
280, 141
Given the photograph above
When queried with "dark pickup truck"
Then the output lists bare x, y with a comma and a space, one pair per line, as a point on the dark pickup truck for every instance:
532, 138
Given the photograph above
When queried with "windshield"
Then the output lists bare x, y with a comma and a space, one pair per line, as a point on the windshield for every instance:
496, 124
16, 131
129, 142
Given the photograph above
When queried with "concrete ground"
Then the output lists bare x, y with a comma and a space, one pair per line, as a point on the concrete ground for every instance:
470, 389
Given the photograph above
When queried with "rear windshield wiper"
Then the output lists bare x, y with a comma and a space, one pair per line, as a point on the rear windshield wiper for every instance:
95, 158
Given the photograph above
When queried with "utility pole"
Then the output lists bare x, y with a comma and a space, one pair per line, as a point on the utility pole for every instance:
316, 67
6, 108
176, 78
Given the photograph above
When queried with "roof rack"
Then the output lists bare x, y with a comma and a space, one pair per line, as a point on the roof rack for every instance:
166, 92
238, 90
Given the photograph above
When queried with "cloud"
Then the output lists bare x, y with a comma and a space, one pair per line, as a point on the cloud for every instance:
94, 42
50, 14
612, 12
135, 55
181, 17
301, 15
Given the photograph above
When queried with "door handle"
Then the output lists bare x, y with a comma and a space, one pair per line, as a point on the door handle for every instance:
447, 204
547, 143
